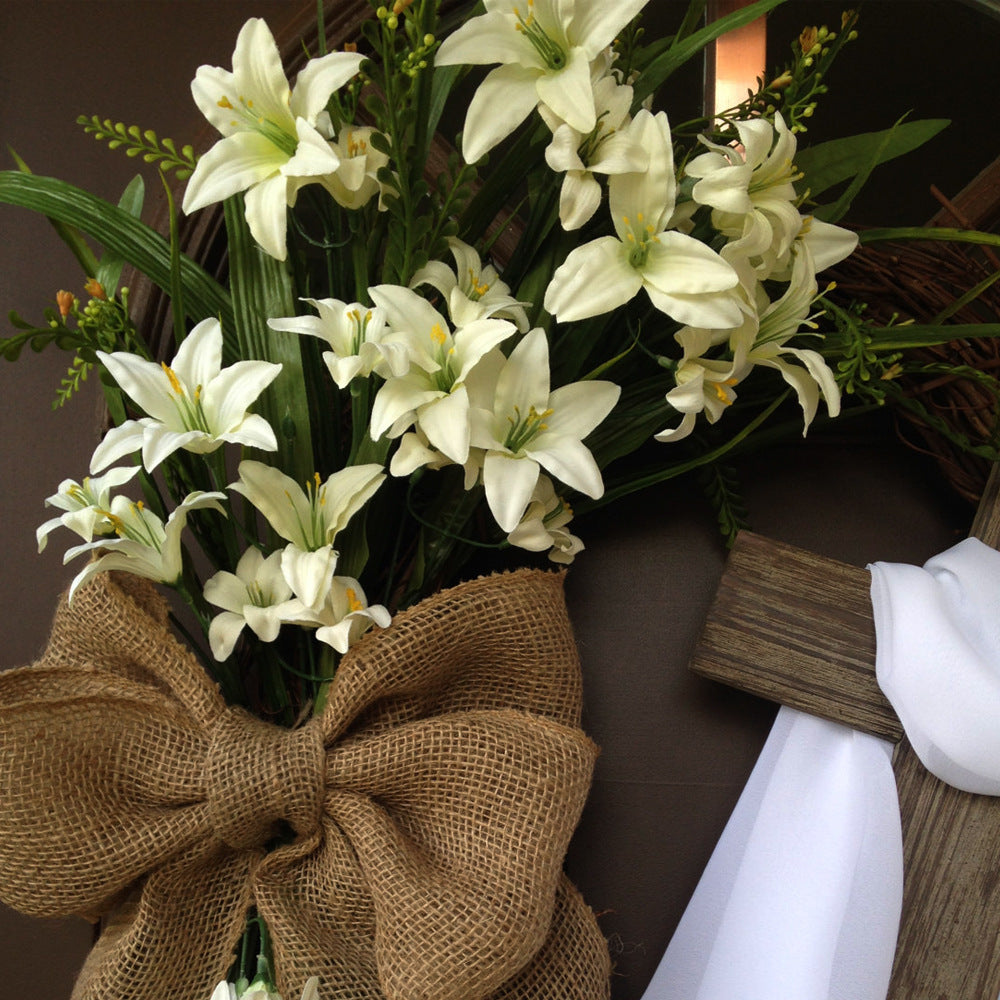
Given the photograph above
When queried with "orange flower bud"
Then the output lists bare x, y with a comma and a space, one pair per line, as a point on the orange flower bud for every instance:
94, 289
65, 301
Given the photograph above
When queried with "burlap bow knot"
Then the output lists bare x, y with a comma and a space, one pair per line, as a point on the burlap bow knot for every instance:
431, 805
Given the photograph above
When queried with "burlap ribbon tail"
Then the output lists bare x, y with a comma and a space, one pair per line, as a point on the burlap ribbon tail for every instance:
426, 812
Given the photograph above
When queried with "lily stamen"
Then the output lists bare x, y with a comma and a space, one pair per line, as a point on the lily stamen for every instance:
550, 51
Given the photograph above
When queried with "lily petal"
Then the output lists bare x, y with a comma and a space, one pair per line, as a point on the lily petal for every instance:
266, 214
569, 92
319, 79
509, 484
594, 279
502, 101
232, 165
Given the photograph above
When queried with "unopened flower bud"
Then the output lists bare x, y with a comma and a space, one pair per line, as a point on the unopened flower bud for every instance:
94, 289
65, 301
807, 39
392, 22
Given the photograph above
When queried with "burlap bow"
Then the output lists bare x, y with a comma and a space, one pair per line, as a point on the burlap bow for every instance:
431, 804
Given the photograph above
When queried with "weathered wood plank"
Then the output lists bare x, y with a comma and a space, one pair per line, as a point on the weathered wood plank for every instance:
796, 628
949, 934
986, 525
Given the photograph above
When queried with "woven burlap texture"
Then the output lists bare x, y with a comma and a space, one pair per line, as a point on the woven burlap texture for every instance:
427, 810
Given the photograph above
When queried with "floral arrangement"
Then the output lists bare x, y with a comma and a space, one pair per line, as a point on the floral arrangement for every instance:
410, 376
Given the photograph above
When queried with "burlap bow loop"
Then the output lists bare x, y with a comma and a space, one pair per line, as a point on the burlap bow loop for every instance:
424, 815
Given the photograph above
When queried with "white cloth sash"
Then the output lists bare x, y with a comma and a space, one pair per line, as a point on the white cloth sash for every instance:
801, 899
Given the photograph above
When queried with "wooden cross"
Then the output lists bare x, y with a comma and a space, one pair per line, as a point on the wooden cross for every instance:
797, 628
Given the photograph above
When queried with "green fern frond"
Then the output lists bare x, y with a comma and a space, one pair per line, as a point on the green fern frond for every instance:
144, 143
722, 489
76, 375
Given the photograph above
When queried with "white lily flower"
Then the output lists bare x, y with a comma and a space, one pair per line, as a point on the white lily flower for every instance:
545, 54
145, 546
827, 245
256, 595
473, 290
526, 428
86, 505
811, 377
193, 403
751, 189
683, 277
344, 616
359, 344
309, 519
433, 394
355, 181
703, 385
609, 148
276, 139
258, 990
543, 525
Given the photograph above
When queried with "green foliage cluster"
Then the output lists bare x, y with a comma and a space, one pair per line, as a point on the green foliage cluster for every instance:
143, 143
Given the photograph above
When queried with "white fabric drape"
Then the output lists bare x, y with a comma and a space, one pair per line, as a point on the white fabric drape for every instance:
938, 660
801, 899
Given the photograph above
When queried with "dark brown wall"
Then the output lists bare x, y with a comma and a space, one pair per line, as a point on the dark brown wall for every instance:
676, 750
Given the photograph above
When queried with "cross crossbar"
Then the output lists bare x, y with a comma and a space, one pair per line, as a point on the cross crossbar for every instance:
797, 628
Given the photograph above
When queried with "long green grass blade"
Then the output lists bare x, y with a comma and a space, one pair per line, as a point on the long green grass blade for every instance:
110, 266
116, 230
901, 338
262, 288
945, 235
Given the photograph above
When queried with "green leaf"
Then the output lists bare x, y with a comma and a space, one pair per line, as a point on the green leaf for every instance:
117, 230
111, 264
445, 78
829, 163
262, 288
687, 48
901, 338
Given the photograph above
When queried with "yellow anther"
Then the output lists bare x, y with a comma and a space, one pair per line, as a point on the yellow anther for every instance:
352, 600
224, 102
172, 378
437, 334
